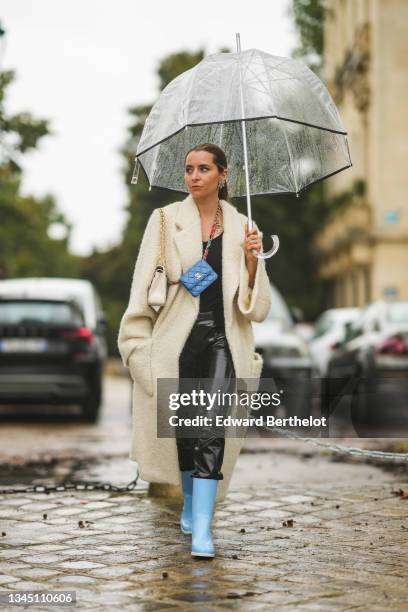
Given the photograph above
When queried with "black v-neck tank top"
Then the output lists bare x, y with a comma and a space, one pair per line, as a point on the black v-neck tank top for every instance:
211, 298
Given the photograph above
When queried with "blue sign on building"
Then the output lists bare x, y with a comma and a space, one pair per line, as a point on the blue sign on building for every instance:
391, 217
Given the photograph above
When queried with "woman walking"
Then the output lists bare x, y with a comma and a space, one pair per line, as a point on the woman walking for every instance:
204, 337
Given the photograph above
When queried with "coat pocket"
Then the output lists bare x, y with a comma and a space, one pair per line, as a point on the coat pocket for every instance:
257, 365
140, 365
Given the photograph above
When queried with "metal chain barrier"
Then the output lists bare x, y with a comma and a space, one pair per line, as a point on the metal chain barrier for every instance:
98, 486
86, 485
338, 448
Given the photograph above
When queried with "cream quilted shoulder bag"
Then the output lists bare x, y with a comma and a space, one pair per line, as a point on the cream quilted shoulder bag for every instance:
157, 291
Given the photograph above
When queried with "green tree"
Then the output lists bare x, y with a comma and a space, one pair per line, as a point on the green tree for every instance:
308, 16
26, 248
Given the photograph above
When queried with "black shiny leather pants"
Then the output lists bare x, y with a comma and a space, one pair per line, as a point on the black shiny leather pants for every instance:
205, 355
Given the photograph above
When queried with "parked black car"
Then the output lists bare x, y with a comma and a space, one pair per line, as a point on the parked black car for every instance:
49, 355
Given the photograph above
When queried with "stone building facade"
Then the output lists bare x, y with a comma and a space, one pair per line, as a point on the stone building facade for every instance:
364, 246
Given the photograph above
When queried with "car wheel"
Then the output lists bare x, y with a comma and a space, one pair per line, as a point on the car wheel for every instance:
90, 410
91, 404
360, 409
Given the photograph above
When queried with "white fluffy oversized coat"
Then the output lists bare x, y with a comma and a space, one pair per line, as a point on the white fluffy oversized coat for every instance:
150, 343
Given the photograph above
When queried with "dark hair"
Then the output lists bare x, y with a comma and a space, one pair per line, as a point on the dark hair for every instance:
220, 161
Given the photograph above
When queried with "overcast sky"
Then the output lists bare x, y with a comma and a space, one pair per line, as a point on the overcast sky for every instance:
82, 63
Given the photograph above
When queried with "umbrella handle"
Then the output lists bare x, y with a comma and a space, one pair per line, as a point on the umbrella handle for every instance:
272, 251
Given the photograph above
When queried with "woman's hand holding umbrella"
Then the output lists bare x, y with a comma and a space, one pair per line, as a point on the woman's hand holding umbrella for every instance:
252, 246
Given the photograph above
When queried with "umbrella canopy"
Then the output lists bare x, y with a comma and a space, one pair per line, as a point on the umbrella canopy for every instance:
294, 133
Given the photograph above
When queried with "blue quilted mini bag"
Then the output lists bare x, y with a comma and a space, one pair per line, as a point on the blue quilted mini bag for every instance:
198, 277
201, 274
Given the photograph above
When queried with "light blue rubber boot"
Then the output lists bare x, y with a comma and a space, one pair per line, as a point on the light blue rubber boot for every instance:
204, 493
186, 520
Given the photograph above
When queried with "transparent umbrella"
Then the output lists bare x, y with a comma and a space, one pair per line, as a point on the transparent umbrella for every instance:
273, 117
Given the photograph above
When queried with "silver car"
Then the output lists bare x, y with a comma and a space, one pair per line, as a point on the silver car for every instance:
286, 357
329, 330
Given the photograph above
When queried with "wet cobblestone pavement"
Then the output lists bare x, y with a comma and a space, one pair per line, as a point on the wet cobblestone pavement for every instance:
282, 547
300, 529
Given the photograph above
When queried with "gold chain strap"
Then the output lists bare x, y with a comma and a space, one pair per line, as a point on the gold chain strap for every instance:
219, 217
162, 252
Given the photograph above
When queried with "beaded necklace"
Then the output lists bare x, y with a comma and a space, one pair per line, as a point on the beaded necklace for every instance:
217, 223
